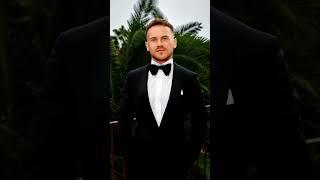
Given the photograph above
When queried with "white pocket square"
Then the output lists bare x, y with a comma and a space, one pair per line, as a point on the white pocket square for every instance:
181, 92
230, 98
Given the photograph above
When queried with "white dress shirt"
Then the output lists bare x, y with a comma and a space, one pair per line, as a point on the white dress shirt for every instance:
159, 88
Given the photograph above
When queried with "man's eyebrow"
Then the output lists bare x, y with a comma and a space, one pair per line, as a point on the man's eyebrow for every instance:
153, 37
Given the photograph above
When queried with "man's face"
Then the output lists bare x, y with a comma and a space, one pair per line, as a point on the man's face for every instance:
160, 43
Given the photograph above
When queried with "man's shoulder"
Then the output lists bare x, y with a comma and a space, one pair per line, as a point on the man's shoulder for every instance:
184, 70
85, 31
96, 25
227, 27
138, 71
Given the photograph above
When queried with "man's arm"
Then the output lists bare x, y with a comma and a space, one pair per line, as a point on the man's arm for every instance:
126, 118
52, 107
199, 118
52, 101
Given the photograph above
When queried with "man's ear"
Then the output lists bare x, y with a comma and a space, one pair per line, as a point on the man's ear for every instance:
146, 44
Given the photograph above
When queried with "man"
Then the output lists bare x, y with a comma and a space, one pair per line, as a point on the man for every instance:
162, 97
72, 124
255, 134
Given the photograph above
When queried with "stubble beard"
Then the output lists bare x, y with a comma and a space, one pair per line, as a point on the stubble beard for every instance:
163, 60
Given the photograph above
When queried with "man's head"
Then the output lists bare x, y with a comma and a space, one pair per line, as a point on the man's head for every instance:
160, 40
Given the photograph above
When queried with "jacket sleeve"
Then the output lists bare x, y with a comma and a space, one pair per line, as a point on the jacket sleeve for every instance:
199, 119
126, 118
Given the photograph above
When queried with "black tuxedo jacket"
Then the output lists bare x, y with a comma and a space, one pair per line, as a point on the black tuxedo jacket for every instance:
176, 143
72, 127
261, 129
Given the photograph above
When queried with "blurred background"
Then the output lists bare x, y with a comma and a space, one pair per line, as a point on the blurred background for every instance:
28, 29
297, 24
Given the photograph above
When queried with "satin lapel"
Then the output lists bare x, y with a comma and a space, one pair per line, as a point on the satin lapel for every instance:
144, 90
223, 52
175, 91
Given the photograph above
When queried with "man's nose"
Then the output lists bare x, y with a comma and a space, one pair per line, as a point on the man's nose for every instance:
159, 42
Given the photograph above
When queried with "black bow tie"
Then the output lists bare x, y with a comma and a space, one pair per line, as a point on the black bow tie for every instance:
154, 69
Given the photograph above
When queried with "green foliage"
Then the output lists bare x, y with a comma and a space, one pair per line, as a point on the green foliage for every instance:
190, 28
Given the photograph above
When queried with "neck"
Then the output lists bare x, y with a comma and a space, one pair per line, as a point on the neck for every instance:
162, 61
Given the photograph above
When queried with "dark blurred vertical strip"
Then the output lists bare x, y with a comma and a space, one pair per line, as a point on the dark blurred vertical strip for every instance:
28, 29
3, 89
297, 27
3, 65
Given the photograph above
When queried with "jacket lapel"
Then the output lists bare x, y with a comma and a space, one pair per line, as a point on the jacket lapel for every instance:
144, 90
175, 91
222, 59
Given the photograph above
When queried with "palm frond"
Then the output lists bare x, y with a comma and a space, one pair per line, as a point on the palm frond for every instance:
191, 28
188, 61
121, 34
138, 39
115, 41
157, 13
138, 10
